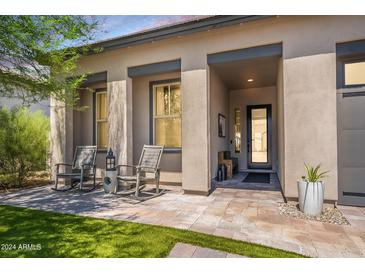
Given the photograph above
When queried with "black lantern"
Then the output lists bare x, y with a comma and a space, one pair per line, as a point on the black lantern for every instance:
110, 160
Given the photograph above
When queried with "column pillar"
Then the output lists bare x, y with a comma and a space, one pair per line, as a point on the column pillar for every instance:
195, 137
61, 135
120, 120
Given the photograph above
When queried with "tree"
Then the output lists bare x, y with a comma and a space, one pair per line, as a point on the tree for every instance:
39, 54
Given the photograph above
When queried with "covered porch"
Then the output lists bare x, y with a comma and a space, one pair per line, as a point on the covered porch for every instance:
246, 118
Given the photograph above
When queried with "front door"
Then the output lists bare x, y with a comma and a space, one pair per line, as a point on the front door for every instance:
259, 137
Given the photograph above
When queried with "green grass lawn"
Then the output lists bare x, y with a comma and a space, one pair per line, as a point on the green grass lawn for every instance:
65, 235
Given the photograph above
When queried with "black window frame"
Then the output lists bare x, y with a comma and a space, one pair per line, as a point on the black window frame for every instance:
151, 112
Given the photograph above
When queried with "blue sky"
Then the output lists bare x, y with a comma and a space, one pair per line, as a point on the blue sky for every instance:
114, 26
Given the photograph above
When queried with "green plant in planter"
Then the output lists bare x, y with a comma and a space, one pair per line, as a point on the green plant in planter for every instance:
314, 174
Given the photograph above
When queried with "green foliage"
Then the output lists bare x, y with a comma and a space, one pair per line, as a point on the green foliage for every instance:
72, 236
39, 55
24, 144
314, 174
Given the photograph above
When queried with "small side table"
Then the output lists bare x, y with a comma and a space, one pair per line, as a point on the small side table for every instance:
110, 182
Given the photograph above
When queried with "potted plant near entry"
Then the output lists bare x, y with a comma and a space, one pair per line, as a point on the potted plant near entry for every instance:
311, 191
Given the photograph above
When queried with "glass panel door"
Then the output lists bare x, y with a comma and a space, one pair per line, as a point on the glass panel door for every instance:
259, 137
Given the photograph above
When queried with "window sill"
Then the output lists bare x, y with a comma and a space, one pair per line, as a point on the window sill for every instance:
172, 150
351, 90
353, 86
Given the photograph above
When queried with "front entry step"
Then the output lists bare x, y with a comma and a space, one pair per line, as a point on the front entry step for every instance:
237, 182
257, 177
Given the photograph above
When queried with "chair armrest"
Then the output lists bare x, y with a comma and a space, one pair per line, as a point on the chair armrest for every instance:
58, 166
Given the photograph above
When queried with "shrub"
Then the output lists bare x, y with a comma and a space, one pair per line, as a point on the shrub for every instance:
24, 144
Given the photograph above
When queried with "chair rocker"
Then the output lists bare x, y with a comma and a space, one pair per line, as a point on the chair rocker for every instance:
147, 170
82, 168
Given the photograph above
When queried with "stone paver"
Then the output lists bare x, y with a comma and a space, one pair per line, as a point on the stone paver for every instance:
248, 215
181, 250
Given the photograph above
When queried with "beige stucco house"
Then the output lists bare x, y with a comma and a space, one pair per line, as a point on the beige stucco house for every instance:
291, 89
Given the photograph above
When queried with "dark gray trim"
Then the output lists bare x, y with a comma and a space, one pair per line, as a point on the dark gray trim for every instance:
170, 150
203, 24
353, 94
197, 192
94, 117
246, 54
340, 74
155, 68
356, 194
350, 48
151, 84
268, 164
95, 78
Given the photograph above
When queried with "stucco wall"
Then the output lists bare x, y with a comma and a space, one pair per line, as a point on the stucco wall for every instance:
219, 103
254, 96
301, 35
309, 85
310, 119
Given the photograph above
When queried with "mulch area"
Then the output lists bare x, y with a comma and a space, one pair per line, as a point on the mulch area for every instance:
34, 180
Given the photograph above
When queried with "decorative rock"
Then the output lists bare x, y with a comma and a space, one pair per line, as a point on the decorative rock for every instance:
329, 214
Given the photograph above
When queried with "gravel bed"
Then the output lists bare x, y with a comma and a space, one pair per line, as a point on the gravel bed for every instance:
329, 214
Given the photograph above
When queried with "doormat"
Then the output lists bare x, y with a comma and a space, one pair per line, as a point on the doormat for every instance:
255, 177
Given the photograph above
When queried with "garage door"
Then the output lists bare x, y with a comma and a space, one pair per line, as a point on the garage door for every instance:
351, 147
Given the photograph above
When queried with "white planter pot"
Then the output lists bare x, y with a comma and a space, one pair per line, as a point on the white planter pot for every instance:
311, 197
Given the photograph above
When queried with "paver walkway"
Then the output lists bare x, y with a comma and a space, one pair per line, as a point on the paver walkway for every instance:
181, 250
247, 215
